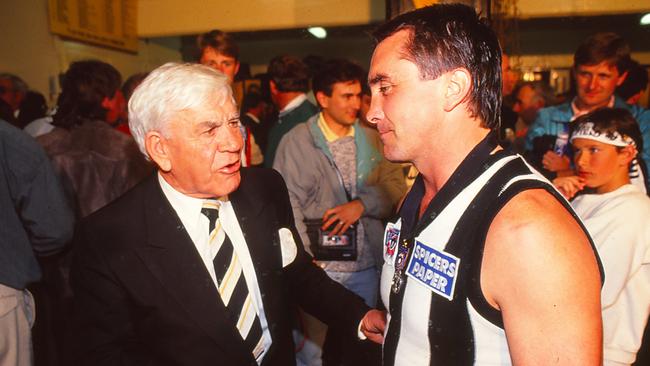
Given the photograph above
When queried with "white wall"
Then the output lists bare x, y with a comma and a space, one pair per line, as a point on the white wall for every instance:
179, 17
29, 50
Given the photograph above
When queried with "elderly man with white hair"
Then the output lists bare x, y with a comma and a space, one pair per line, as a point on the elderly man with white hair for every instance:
200, 264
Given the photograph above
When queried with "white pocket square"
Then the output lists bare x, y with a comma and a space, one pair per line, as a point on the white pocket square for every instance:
288, 246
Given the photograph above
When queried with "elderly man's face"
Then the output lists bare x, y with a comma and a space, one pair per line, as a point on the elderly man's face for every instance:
204, 150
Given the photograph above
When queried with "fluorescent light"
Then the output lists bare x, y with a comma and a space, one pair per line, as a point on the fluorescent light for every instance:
318, 32
645, 20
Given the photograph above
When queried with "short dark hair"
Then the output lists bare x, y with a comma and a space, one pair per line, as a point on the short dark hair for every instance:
19, 85
250, 101
448, 36
599, 47
542, 91
289, 74
336, 71
221, 41
131, 83
84, 87
32, 107
635, 82
611, 120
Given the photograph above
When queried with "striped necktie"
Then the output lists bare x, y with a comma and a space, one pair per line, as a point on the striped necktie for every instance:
232, 284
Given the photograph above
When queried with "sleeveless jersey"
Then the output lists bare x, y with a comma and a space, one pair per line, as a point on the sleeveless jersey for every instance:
439, 315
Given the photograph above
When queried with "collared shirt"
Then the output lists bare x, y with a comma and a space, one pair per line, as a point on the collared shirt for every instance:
293, 104
581, 112
329, 135
196, 224
253, 117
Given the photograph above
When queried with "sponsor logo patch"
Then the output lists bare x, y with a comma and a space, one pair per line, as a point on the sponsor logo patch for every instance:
437, 270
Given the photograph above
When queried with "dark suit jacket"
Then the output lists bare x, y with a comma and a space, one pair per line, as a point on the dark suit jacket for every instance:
144, 297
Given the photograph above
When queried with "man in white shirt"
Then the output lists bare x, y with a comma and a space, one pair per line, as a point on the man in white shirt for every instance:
201, 263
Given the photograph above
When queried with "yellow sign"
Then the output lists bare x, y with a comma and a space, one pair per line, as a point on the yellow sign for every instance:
110, 23
422, 3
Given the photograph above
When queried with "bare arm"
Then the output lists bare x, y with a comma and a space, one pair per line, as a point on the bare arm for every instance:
541, 272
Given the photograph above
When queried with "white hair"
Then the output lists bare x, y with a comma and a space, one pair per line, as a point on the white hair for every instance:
170, 89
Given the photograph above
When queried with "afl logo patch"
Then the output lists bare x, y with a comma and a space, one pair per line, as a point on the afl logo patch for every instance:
437, 270
391, 238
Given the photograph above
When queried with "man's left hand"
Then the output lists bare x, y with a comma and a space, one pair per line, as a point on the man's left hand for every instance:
373, 325
343, 216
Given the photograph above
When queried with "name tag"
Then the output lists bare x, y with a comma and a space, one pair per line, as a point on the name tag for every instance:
391, 238
437, 270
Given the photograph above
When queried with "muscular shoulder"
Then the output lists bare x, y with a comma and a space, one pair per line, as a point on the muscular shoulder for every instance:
535, 240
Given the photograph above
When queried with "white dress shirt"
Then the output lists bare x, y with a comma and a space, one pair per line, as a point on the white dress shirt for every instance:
197, 225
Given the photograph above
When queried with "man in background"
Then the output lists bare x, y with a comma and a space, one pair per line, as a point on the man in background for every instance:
634, 84
35, 220
254, 115
600, 64
289, 81
530, 97
340, 185
12, 92
219, 51
96, 162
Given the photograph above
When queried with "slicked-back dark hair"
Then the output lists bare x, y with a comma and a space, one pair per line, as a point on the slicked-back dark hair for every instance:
221, 41
336, 71
445, 37
601, 47
84, 87
289, 74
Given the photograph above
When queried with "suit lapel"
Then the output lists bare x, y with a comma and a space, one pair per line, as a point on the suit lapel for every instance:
173, 259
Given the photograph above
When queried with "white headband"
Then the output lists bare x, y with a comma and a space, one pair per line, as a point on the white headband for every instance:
586, 131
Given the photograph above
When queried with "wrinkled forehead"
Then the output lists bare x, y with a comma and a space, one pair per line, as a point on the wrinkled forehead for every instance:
221, 103
217, 107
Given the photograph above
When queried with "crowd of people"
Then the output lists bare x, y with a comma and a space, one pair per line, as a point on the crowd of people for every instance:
429, 210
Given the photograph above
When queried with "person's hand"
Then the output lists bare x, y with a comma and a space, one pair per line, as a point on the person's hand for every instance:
554, 162
373, 325
342, 216
569, 186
